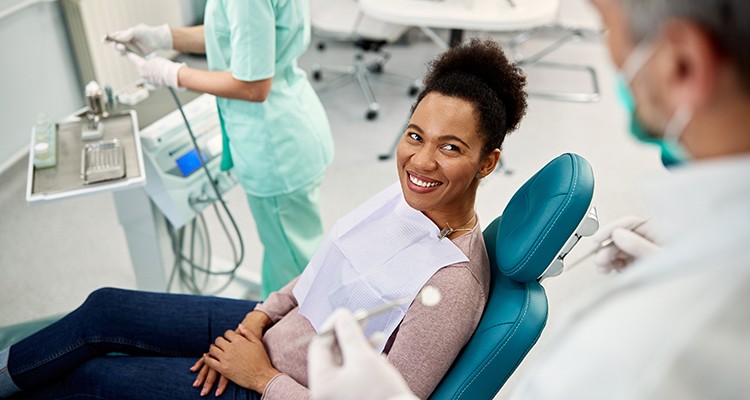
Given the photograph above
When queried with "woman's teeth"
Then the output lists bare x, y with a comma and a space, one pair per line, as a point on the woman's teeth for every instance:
422, 183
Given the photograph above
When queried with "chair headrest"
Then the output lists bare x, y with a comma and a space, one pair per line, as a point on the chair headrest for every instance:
542, 215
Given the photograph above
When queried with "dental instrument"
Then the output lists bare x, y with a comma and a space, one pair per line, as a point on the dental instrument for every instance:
604, 244
429, 296
128, 46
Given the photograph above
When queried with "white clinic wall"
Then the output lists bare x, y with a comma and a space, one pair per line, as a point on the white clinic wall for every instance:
90, 20
38, 71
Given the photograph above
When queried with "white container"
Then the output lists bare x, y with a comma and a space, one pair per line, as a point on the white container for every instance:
45, 143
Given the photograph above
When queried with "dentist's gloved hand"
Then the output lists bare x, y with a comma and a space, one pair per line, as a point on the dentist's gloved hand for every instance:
358, 371
157, 71
146, 38
628, 245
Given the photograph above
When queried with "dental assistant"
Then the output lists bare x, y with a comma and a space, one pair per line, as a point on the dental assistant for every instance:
675, 323
276, 134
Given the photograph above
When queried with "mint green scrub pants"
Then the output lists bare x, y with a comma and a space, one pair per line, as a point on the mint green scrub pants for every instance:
291, 230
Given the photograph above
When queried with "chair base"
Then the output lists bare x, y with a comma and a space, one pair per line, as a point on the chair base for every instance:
360, 72
569, 34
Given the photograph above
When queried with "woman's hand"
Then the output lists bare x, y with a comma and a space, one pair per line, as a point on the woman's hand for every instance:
255, 323
242, 358
207, 377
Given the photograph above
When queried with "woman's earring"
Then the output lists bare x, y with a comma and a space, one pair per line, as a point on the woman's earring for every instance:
478, 175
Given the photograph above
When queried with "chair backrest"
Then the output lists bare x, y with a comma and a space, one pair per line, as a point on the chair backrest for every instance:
522, 243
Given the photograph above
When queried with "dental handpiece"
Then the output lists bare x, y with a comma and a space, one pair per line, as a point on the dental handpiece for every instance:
429, 296
604, 244
128, 46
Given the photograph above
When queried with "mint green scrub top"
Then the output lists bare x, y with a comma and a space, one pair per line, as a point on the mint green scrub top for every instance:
283, 143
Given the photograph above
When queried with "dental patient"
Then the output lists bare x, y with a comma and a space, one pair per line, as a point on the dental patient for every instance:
422, 230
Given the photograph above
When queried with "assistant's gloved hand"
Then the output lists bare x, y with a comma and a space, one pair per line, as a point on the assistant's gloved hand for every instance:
628, 245
146, 38
358, 371
157, 71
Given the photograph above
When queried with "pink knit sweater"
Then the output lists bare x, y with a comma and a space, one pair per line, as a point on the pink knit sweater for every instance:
422, 348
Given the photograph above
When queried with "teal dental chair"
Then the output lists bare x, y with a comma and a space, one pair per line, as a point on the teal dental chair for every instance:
541, 223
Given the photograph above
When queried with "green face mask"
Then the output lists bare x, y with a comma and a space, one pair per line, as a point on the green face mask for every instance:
672, 152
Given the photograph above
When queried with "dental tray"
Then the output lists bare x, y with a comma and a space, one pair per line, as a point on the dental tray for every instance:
102, 161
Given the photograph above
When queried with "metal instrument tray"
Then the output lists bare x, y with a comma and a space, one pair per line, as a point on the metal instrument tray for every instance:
102, 161
65, 181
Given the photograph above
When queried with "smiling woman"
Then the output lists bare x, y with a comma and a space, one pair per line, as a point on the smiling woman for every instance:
473, 97
421, 231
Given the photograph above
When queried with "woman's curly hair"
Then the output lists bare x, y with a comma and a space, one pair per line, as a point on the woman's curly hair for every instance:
479, 72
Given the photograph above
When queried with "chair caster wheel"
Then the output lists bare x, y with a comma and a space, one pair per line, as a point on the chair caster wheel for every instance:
371, 115
317, 76
375, 68
413, 90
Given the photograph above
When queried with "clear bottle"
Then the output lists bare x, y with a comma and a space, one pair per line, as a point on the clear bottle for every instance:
45, 143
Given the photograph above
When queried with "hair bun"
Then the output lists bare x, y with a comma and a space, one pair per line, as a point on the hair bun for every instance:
478, 71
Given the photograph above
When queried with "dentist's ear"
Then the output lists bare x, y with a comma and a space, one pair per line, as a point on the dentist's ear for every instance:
691, 69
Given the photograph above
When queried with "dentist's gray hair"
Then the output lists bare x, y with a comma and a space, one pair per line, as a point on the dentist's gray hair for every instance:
727, 21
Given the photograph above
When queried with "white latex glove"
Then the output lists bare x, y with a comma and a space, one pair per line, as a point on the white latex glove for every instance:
358, 371
146, 38
157, 71
628, 245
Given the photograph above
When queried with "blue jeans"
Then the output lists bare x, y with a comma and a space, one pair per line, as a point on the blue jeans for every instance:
160, 335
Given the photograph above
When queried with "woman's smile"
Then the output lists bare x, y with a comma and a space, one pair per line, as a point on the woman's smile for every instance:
421, 184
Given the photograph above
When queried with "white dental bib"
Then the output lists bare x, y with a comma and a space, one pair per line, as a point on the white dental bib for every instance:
382, 251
